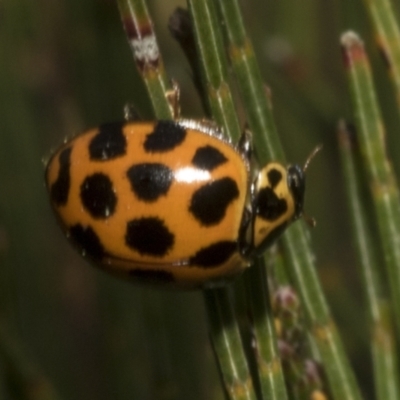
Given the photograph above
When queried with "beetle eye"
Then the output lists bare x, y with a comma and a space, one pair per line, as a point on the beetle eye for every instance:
296, 183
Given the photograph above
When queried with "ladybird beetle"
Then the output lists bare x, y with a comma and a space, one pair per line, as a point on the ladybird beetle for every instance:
170, 202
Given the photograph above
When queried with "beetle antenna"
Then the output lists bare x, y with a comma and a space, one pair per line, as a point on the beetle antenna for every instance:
316, 150
310, 221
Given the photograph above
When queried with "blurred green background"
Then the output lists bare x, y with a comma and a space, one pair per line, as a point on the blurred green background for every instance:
66, 66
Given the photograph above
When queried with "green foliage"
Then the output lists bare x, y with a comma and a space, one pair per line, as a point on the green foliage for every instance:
66, 66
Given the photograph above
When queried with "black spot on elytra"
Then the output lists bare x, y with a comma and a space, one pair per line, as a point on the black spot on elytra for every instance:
165, 137
152, 276
268, 205
87, 241
209, 202
149, 181
149, 235
274, 177
214, 255
109, 143
60, 188
208, 158
97, 195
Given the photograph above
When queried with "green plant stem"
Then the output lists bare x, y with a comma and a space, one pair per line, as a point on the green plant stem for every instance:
387, 31
252, 88
323, 331
142, 39
381, 177
266, 352
381, 329
267, 147
215, 70
227, 344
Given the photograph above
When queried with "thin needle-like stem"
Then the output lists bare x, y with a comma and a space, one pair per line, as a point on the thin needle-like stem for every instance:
142, 39
383, 347
381, 177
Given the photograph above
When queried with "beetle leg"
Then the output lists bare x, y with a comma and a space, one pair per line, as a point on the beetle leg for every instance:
131, 114
245, 145
173, 97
